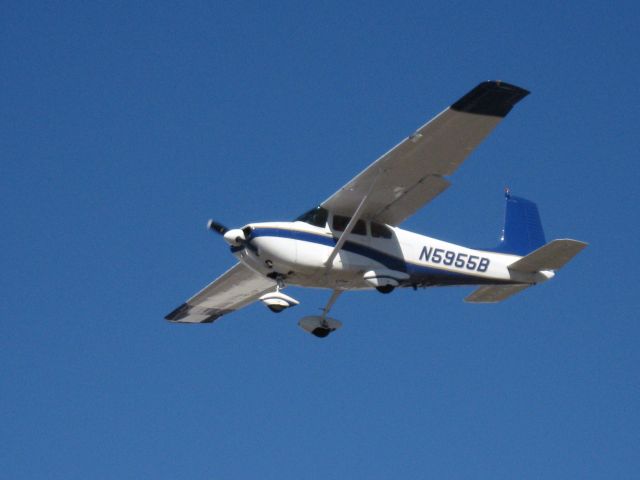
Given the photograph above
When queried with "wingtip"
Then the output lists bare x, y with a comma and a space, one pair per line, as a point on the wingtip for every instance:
178, 313
492, 97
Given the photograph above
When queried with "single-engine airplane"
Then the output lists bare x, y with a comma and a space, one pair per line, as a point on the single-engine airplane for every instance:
352, 241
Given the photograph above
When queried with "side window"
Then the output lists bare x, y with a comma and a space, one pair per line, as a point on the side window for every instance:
360, 228
340, 223
380, 231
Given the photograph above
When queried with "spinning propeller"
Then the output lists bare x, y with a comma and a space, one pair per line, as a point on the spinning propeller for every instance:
217, 227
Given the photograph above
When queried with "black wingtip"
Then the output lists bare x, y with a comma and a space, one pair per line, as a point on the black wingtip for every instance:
179, 313
492, 97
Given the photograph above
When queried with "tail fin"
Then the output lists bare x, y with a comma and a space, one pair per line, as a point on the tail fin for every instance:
522, 232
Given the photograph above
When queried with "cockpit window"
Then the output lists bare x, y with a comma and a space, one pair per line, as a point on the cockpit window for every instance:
340, 223
380, 231
317, 217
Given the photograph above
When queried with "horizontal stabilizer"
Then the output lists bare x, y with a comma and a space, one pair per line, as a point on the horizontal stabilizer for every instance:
552, 256
495, 293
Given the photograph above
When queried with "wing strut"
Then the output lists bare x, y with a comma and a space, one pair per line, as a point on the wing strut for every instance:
352, 223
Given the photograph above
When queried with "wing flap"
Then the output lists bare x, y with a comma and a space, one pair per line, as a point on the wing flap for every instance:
236, 288
495, 293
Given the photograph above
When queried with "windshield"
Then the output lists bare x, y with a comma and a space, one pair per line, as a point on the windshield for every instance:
317, 217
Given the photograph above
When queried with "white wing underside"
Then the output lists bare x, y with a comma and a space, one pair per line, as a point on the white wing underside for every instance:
412, 173
236, 288
495, 293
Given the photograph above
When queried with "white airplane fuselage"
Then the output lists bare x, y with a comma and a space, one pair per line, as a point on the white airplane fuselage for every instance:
298, 252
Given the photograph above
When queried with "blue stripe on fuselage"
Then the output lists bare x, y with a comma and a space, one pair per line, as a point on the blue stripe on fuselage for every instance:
418, 273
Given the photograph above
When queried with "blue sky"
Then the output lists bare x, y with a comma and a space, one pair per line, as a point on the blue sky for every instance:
125, 127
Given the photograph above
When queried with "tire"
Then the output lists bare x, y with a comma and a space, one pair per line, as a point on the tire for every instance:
385, 289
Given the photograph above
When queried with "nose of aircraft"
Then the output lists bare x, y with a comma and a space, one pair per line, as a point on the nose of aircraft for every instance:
234, 237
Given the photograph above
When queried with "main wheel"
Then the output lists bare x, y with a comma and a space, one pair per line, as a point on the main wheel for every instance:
321, 332
385, 288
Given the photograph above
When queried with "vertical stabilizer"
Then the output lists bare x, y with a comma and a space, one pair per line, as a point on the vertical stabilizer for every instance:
522, 232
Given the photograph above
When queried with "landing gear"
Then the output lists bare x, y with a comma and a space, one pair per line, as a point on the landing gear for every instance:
321, 326
385, 288
321, 332
278, 301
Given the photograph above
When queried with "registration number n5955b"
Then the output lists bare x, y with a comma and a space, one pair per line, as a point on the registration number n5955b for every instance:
456, 259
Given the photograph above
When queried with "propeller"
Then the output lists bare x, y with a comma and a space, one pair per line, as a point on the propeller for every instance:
217, 227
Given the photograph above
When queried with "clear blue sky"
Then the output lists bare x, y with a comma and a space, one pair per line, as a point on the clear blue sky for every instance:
126, 126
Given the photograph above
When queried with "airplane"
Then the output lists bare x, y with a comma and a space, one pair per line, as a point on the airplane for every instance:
352, 240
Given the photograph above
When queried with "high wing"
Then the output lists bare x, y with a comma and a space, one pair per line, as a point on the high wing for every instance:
236, 288
412, 173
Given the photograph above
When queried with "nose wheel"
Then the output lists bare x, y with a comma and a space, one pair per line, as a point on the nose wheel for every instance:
278, 301
385, 288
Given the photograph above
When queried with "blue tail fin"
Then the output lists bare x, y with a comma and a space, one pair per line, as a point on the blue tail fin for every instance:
522, 232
